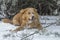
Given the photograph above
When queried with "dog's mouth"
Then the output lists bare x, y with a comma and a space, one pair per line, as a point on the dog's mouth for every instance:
32, 18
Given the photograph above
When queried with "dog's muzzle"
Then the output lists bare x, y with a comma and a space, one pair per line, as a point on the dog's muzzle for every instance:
32, 18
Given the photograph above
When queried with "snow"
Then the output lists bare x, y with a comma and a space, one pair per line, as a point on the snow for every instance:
50, 33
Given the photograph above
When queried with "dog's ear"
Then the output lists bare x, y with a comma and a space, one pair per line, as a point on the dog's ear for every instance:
35, 10
23, 11
36, 13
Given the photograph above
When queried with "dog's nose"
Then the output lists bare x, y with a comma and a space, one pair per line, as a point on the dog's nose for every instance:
32, 17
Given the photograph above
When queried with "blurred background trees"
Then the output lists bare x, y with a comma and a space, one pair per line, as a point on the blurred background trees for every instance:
8, 8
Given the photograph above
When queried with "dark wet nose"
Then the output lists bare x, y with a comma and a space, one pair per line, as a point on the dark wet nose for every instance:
32, 17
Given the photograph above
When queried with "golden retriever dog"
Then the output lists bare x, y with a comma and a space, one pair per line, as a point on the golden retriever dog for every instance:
26, 18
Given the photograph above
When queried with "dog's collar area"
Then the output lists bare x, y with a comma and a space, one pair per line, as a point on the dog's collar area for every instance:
30, 21
27, 26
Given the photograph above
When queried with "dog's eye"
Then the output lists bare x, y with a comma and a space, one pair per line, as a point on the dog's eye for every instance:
29, 19
29, 13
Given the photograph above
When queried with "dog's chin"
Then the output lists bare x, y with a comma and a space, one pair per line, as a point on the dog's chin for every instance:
30, 21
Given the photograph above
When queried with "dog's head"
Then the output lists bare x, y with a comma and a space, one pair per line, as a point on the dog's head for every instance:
30, 14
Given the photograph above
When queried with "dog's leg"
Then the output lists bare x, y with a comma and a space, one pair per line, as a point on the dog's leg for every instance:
20, 27
39, 26
16, 23
32, 25
36, 25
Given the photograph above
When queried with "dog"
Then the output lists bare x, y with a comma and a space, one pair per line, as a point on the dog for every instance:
26, 18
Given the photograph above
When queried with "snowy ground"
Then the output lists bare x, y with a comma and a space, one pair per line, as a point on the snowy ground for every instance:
51, 33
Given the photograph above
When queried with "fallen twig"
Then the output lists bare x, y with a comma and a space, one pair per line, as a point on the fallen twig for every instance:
30, 35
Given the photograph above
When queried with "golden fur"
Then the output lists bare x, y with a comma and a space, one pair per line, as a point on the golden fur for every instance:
24, 17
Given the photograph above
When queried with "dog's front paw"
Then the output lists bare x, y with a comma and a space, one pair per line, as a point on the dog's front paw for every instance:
13, 31
43, 31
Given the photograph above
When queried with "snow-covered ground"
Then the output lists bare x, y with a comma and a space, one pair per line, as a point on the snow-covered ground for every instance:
50, 33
